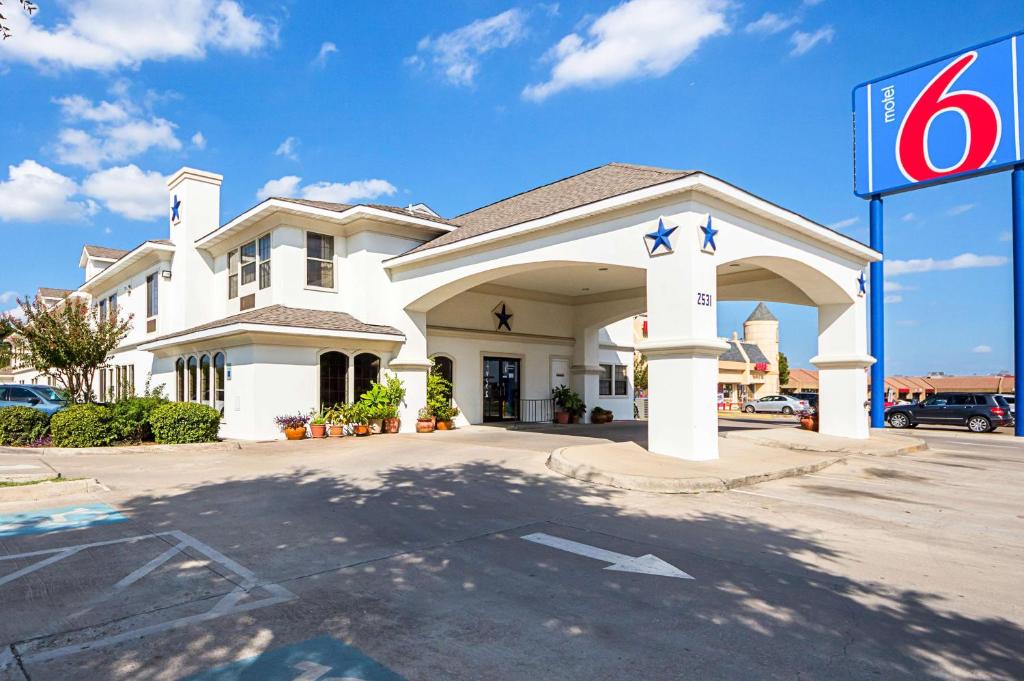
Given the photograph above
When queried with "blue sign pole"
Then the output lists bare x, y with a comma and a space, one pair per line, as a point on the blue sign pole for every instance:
1017, 181
877, 299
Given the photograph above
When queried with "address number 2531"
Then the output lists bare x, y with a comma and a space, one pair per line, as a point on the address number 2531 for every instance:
704, 299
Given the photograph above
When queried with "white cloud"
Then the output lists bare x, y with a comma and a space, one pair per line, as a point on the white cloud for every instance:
959, 210
77, 107
893, 286
335, 192
635, 39
8, 297
981, 349
115, 142
843, 224
893, 299
805, 42
960, 262
287, 149
34, 193
326, 50
457, 53
106, 34
129, 191
198, 141
770, 23
907, 322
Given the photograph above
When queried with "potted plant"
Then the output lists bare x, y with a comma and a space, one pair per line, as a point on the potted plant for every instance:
395, 390
318, 426
293, 426
445, 415
599, 415
560, 395
336, 420
439, 395
376, 401
809, 420
424, 421
359, 418
575, 406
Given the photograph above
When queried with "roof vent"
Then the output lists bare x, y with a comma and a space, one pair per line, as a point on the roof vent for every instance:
421, 208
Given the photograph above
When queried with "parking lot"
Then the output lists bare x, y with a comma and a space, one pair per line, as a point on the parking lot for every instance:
460, 556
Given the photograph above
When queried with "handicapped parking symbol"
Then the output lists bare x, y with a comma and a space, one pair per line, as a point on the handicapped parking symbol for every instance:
57, 519
311, 671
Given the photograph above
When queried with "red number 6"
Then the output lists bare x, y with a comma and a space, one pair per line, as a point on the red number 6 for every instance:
981, 119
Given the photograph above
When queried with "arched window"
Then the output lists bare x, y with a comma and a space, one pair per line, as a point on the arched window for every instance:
218, 382
367, 370
333, 377
445, 368
179, 376
193, 384
204, 379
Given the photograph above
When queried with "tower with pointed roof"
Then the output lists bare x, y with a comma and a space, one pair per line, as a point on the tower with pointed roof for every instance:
762, 328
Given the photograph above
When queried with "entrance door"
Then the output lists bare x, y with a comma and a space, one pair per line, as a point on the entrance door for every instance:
501, 389
559, 372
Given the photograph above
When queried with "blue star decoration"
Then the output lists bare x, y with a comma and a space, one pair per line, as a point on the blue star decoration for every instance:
503, 318
661, 237
709, 236
175, 216
862, 284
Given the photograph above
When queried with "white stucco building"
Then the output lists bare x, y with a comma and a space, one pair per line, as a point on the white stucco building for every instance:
295, 303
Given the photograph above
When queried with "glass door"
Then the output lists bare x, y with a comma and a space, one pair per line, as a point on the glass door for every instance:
501, 389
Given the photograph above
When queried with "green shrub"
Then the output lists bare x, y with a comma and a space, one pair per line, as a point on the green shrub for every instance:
184, 422
83, 425
21, 426
131, 418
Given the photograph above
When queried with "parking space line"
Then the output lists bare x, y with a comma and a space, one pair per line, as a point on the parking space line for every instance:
38, 565
150, 566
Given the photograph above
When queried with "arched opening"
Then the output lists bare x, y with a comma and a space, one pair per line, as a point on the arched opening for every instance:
333, 378
179, 382
193, 382
204, 379
366, 370
219, 363
445, 368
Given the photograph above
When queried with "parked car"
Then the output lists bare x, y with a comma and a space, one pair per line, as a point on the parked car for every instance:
979, 412
1012, 401
776, 404
41, 397
809, 398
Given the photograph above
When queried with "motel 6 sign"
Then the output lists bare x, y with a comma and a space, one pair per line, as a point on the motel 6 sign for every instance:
941, 121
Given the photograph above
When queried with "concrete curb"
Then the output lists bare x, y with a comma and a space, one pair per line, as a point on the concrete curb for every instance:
559, 463
894, 445
50, 490
226, 445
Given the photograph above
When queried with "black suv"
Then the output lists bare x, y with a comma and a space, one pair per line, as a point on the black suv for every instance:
980, 412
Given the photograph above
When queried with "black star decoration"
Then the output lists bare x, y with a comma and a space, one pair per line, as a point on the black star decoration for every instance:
503, 318
175, 207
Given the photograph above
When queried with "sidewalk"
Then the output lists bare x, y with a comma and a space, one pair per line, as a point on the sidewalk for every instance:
745, 458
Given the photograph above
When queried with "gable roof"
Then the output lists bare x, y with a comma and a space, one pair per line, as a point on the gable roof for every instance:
62, 293
761, 313
341, 207
753, 351
104, 252
280, 315
596, 184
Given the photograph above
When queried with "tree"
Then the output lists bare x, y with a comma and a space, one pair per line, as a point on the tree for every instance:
783, 369
639, 372
6, 349
5, 30
68, 341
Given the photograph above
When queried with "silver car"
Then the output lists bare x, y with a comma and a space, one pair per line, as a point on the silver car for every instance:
776, 404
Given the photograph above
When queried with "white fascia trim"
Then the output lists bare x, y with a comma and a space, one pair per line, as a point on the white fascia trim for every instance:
234, 329
122, 264
270, 206
694, 182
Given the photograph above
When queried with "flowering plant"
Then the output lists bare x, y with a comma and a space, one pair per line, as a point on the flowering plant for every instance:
289, 421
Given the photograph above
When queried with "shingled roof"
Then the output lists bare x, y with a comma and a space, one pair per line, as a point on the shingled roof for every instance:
596, 184
341, 207
279, 315
61, 293
761, 313
104, 252
733, 354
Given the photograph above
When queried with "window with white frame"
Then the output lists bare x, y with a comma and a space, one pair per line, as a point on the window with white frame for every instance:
613, 381
248, 262
232, 274
263, 249
250, 258
319, 260
152, 295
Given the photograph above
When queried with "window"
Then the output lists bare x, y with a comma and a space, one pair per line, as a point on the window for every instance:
112, 304
218, 382
103, 385
103, 310
232, 275
367, 370
152, 295
204, 379
179, 375
248, 263
319, 260
333, 377
193, 393
21, 395
962, 400
264, 252
621, 384
604, 382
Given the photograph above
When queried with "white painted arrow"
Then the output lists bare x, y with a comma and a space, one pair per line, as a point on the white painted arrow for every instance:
647, 564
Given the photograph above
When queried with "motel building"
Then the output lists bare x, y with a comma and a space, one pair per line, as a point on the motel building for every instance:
296, 303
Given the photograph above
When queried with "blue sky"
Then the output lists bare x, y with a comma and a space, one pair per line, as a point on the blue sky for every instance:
460, 104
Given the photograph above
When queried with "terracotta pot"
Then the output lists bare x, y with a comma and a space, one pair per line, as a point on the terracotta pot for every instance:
424, 425
361, 429
318, 430
336, 430
809, 423
392, 425
376, 426
297, 433
562, 417
445, 425
609, 418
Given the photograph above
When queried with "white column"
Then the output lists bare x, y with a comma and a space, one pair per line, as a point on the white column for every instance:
585, 370
411, 365
682, 349
842, 361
